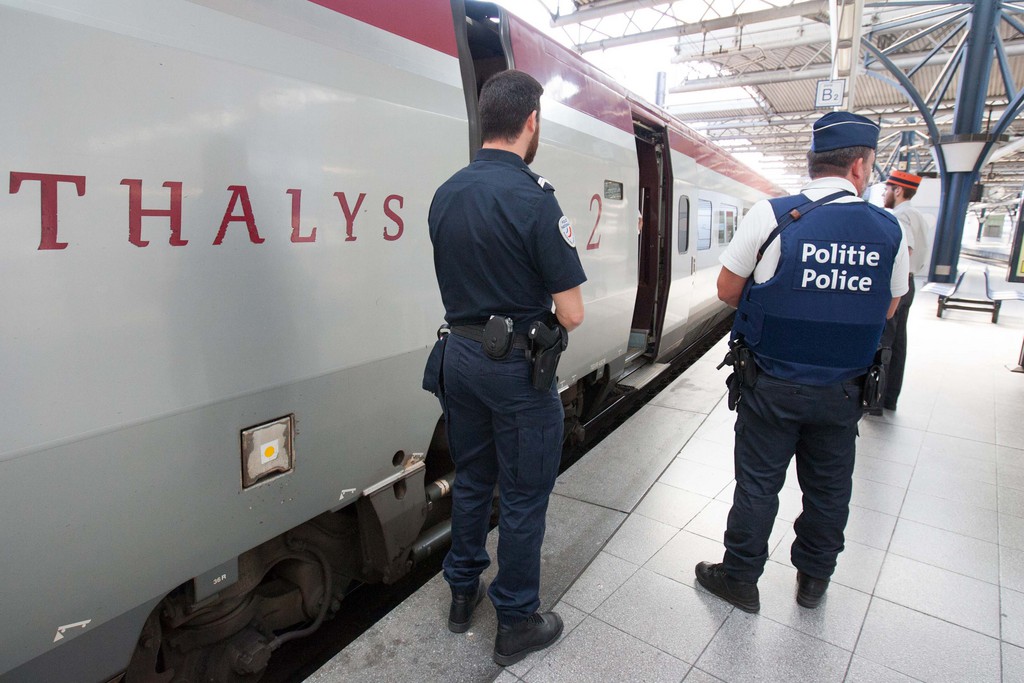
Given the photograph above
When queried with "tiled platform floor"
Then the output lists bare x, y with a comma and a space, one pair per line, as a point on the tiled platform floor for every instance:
930, 587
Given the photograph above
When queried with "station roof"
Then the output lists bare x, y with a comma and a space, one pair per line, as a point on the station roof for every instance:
746, 72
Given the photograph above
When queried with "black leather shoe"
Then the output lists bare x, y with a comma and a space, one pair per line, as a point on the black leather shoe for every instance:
461, 612
740, 593
809, 590
515, 641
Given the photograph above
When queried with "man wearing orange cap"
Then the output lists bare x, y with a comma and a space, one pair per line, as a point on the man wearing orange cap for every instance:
900, 188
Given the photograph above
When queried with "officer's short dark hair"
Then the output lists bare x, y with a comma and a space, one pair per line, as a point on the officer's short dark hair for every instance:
506, 101
835, 162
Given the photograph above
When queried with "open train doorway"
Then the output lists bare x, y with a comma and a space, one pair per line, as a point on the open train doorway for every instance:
655, 238
484, 50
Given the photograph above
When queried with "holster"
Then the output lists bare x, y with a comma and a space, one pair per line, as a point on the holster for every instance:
744, 371
874, 380
547, 342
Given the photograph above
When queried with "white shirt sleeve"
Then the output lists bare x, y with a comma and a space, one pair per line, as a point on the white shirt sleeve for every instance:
900, 282
740, 256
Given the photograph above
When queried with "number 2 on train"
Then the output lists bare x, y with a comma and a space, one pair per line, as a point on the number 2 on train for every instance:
591, 244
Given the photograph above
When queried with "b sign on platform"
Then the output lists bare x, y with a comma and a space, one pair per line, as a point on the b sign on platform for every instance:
830, 93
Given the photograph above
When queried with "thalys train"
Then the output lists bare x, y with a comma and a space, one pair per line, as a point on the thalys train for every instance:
218, 296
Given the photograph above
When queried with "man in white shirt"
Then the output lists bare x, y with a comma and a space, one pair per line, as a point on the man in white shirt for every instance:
814, 277
900, 188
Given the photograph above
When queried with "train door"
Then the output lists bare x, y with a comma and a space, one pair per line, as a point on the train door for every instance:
716, 218
684, 266
655, 238
484, 49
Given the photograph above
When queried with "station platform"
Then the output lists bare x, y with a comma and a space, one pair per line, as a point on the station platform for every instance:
987, 248
929, 588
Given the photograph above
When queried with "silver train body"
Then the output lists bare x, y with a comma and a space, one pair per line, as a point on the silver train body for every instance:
217, 296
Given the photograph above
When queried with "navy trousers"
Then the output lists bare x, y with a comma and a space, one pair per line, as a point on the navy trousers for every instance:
895, 336
501, 431
775, 420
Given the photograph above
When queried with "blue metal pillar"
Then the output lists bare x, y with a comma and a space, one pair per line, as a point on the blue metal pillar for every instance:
968, 118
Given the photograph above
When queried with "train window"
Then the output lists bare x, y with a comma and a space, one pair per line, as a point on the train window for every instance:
683, 234
703, 224
726, 223
613, 190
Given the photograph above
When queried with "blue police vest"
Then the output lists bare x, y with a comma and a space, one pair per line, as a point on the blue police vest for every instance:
819, 318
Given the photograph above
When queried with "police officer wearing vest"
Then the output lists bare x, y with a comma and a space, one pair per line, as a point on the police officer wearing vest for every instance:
503, 254
811, 300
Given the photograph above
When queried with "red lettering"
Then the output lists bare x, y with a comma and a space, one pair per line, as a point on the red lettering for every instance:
394, 216
239, 193
350, 214
136, 212
48, 202
296, 210
591, 244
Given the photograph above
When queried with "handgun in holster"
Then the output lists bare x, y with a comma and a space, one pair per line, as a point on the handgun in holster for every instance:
744, 371
547, 342
874, 380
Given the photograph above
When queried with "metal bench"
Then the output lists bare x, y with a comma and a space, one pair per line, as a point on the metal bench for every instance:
948, 298
998, 297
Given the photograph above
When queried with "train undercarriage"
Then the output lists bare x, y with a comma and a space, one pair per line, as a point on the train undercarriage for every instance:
289, 586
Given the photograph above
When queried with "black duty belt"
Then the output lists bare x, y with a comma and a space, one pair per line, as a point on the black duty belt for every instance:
476, 333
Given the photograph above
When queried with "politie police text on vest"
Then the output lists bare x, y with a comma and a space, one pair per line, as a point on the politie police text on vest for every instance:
851, 271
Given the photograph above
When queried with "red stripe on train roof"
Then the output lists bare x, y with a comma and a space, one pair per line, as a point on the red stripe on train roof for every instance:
578, 84
712, 156
566, 77
427, 22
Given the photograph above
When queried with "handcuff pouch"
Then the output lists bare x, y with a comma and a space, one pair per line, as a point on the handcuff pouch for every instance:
499, 337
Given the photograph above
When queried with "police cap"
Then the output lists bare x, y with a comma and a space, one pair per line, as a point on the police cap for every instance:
839, 129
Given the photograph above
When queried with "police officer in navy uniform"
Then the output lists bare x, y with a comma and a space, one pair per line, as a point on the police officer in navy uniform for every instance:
812, 301
502, 247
